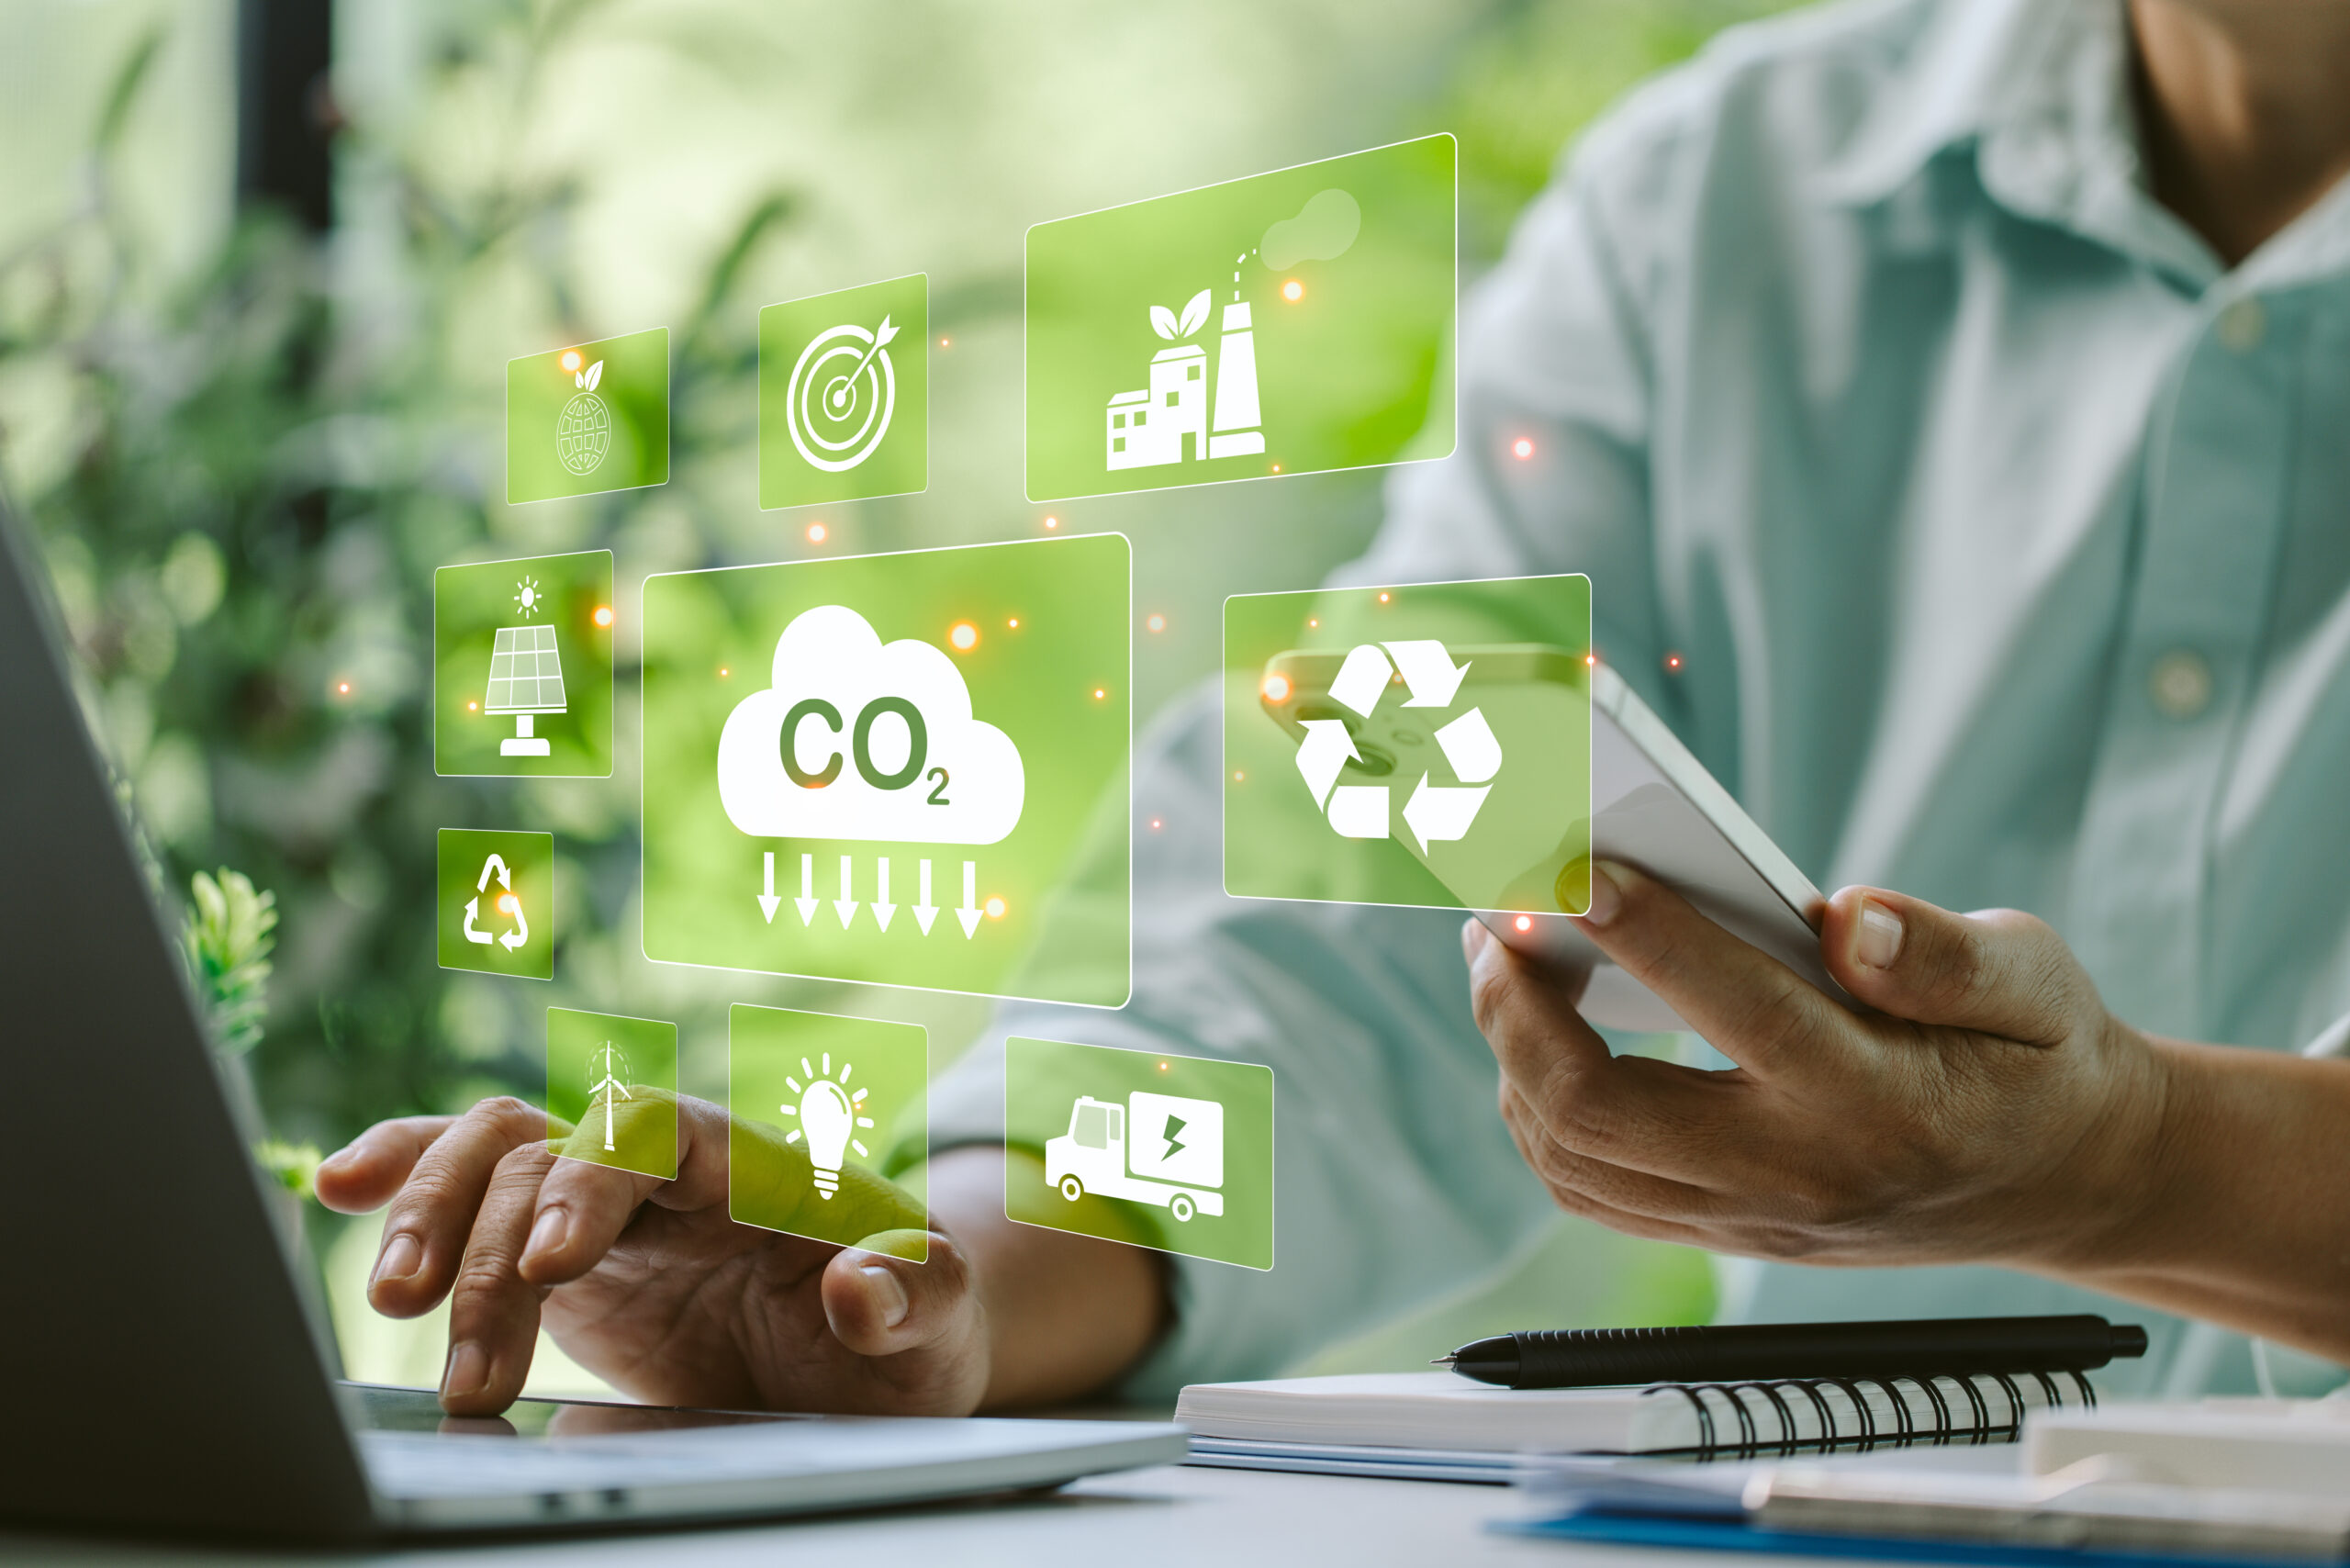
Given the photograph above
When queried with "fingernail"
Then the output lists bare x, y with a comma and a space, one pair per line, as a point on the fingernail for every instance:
1473, 937
1880, 939
889, 1292
401, 1255
547, 1234
1607, 893
467, 1372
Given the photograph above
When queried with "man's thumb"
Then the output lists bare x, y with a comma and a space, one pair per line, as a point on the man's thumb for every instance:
883, 1296
1999, 970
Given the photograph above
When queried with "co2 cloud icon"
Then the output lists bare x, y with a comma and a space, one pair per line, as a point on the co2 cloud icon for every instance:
859, 739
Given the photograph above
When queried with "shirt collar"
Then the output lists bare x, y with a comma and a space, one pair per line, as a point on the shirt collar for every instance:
2038, 90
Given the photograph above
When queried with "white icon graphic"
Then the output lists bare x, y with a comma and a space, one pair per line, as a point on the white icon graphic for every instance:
583, 431
843, 391
608, 1080
1147, 427
1157, 1149
870, 742
884, 910
507, 904
1435, 811
525, 672
829, 1114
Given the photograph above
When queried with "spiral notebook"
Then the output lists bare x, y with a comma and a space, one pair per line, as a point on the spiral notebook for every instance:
1440, 1426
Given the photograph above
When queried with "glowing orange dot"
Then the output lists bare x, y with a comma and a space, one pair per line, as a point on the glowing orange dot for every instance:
1522, 448
964, 636
1156, 824
570, 360
1310, 620
995, 909
1237, 775
947, 342
1382, 599
1524, 922
473, 707
1098, 694
343, 687
603, 615
1052, 522
1013, 623
1591, 659
1673, 661
1277, 467
1157, 623
506, 904
1277, 689
816, 533
724, 671
1163, 1067
1293, 291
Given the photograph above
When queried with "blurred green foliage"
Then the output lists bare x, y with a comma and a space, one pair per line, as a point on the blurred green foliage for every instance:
244, 472
227, 938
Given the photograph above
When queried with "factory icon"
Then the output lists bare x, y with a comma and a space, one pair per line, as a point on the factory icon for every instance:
1188, 411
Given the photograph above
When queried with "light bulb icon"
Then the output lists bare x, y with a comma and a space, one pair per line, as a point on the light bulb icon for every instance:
829, 1114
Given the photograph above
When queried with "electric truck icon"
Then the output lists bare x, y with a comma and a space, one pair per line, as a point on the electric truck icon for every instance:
1157, 1148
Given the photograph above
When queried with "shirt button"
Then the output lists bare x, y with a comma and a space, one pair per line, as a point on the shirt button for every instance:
2242, 324
2180, 683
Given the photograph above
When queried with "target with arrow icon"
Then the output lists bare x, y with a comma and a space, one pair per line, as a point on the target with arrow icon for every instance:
857, 373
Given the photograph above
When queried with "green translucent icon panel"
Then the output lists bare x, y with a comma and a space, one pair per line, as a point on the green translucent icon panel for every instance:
818, 1106
496, 909
1425, 743
1285, 324
845, 395
612, 1083
589, 417
1171, 1153
523, 667
902, 769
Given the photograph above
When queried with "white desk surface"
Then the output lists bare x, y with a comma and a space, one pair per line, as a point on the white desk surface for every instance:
1179, 1516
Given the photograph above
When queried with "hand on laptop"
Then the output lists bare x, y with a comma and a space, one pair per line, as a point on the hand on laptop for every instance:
649, 1285
1990, 1109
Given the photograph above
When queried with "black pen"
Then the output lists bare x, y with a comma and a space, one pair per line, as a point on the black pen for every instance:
1937, 1347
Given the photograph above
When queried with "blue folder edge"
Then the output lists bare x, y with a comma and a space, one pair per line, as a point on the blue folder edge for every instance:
1716, 1535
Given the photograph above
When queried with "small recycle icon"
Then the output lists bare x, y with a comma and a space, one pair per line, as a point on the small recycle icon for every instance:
1434, 811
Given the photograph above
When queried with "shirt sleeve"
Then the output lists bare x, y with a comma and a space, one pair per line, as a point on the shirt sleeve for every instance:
1395, 1179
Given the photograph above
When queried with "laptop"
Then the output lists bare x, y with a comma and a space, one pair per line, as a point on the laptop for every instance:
168, 1367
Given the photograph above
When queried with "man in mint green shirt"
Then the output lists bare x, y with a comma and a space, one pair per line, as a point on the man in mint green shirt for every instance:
1982, 458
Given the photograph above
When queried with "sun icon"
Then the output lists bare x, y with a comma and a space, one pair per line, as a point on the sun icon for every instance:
528, 596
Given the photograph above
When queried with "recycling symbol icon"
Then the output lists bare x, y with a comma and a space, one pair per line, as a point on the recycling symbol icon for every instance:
507, 904
1434, 812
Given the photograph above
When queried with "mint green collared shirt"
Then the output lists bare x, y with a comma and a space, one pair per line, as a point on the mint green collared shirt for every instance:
2003, 535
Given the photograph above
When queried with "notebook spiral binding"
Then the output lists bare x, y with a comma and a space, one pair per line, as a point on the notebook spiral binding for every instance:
1980, 1429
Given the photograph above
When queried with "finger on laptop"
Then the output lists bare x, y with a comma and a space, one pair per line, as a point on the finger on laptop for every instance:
583, 1205
363, 1175
493, 1311
425, 1231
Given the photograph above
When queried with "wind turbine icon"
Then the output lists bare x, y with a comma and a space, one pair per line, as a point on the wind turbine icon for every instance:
607, 1060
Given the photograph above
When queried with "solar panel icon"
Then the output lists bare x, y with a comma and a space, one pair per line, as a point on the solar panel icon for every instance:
525, 679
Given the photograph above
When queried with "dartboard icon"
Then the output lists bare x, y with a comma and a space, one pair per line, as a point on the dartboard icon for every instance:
843, 391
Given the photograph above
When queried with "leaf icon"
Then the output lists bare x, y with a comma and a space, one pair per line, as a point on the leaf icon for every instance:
1194, 314
595, 374
1162, 321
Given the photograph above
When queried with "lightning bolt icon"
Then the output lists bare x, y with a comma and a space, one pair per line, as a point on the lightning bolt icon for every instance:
1174, 1137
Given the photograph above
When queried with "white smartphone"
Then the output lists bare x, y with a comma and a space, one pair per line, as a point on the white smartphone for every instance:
1653, 807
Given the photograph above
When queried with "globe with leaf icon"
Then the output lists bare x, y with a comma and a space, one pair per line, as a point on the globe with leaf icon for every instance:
583, 433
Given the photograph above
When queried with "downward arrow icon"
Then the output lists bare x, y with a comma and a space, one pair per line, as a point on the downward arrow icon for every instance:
807, 900
768, 901
969, 913
925, 911
844, 906
882, 907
